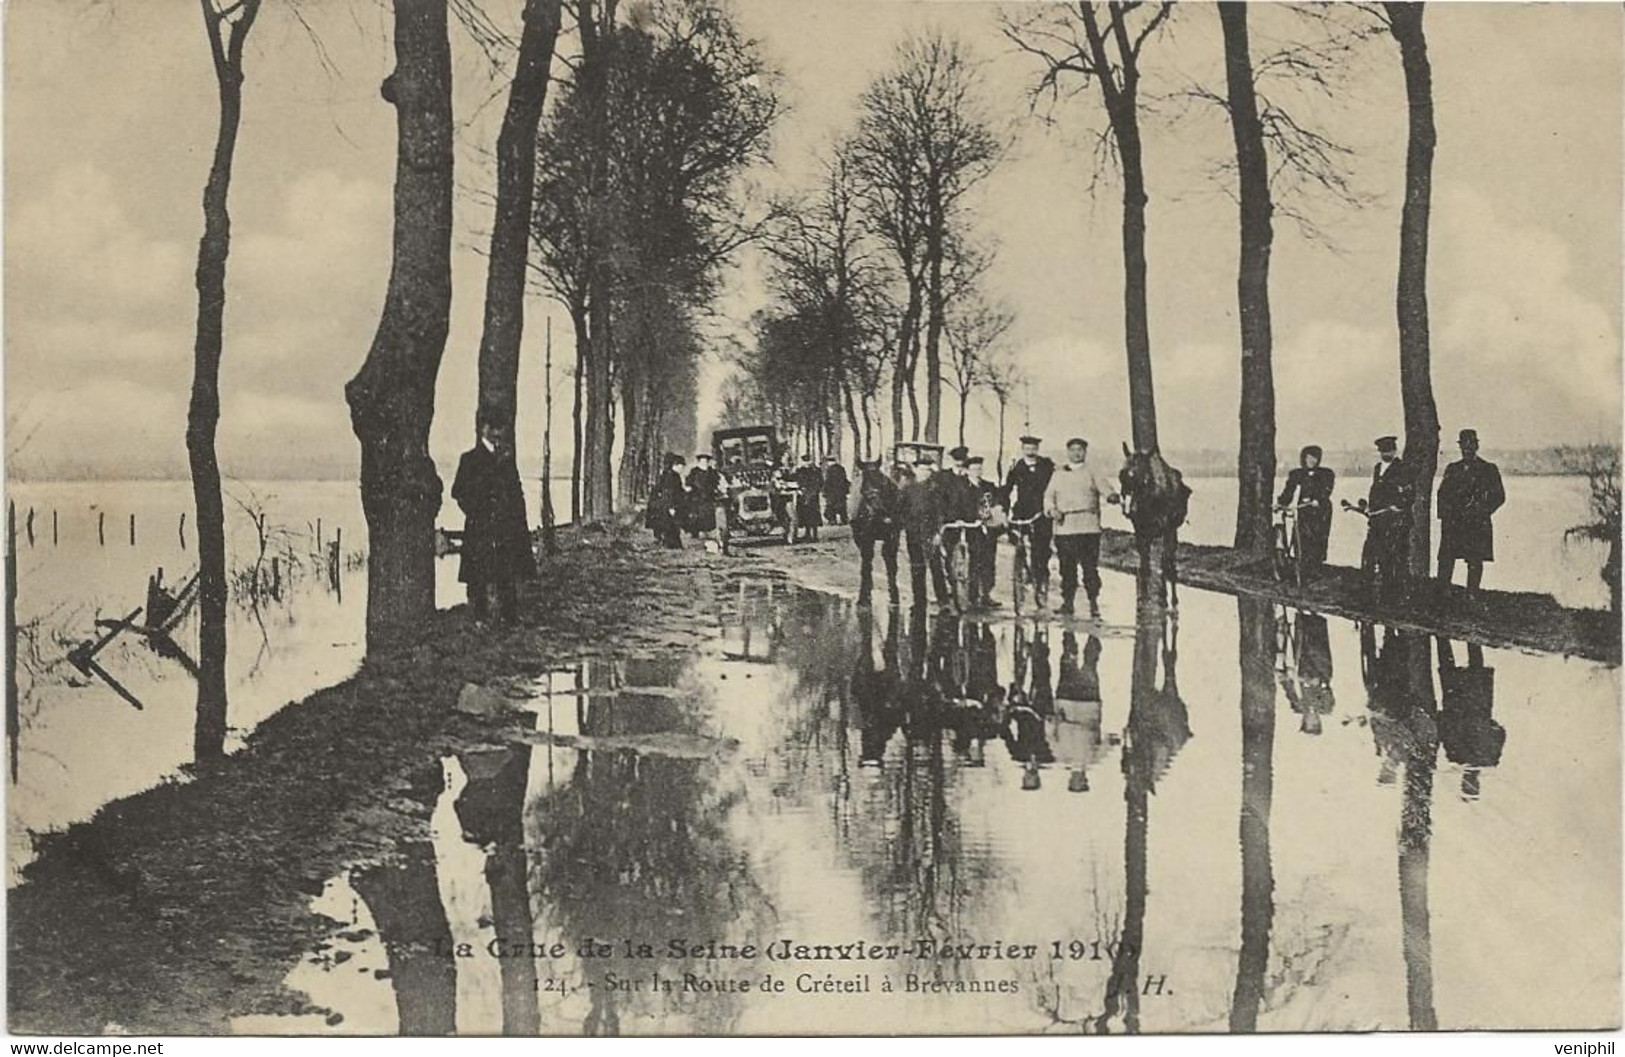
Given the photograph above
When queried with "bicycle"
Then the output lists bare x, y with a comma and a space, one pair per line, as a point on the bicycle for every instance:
956, 561
1021, 564
1287, 549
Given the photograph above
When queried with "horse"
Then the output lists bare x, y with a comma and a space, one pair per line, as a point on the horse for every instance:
1155, 500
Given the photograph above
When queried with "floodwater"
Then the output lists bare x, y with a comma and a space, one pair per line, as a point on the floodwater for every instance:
81, 744
1250, 819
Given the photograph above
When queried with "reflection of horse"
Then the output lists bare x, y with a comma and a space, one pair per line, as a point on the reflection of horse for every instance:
1156, 500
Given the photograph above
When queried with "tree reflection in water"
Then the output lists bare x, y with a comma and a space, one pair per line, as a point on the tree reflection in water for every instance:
1255, 619
1404, 725
403, 897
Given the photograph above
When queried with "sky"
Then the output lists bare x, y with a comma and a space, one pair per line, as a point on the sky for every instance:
109, 117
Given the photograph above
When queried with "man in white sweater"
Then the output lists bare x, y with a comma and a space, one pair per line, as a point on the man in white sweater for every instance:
1073, 504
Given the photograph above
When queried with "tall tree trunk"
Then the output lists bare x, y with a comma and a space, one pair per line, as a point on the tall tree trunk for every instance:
1415, 369
902, 364
578, 317
1256, 618
933, 334
597, 27
998, 469
859, 449
964, 399
404, 900
550, 545
392, 397
203, 416
1136, 326
510, 230
1255, 464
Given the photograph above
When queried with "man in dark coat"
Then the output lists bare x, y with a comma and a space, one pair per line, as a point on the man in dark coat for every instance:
990, 510
496, 537
1469, 495
810, 483
922, 521
1388, 508
666, 504
876, 517
1026, 486
1312, 483
704, 493
836, 487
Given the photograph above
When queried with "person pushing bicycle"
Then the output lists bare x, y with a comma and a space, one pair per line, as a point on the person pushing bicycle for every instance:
1311, 484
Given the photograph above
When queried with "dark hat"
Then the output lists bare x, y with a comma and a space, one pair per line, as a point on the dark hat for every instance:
975, 460
806, 458
702, 455
1311, 449
1030, 439
925, 459
868, 464
1467, 436
831, 458
1389, 443
959, 454
1076, 440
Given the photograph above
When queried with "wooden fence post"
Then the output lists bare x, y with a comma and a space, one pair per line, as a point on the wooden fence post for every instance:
132, 530
101, 528
183, 530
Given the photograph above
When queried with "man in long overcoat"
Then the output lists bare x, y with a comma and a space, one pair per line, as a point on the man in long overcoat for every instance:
1469, 495
497, 551
836, 488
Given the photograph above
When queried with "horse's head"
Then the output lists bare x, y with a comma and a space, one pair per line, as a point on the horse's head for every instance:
1154, 493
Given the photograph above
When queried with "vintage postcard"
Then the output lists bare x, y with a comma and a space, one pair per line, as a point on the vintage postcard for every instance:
767, 517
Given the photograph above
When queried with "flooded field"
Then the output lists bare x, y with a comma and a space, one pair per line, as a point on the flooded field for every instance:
82, 745
830, 819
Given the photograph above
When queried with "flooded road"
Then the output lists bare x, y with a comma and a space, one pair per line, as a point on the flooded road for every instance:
1253, 820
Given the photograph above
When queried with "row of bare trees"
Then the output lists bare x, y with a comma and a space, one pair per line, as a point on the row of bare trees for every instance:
878, 268
1103, 45
627, 187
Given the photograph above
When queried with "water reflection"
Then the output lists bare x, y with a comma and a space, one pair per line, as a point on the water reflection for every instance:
827, 774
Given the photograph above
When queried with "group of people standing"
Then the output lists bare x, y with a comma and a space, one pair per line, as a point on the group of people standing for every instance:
1469, 495
931, 510
677, 502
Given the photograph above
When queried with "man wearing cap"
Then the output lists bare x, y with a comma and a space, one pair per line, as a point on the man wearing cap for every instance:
836, 487
1469, 495
1073, 503
1024, 487
809, 484
704, 493
1388, 507
990, 511
958, 500
875, 514
922, 521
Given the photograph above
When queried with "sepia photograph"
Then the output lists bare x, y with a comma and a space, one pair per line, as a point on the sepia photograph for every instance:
738, 518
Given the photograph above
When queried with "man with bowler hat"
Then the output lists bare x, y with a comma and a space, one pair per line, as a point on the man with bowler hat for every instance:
1469, 495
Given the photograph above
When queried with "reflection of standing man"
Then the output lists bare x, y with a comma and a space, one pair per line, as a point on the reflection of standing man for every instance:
1467, 724
1469, 495
496, 537
1078, 709
1310, 693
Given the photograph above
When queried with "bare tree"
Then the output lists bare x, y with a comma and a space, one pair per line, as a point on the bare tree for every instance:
1255, 462
510, 231
923, 141
974, 330
1415, 367
392, 396
1108, 55
228, 26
